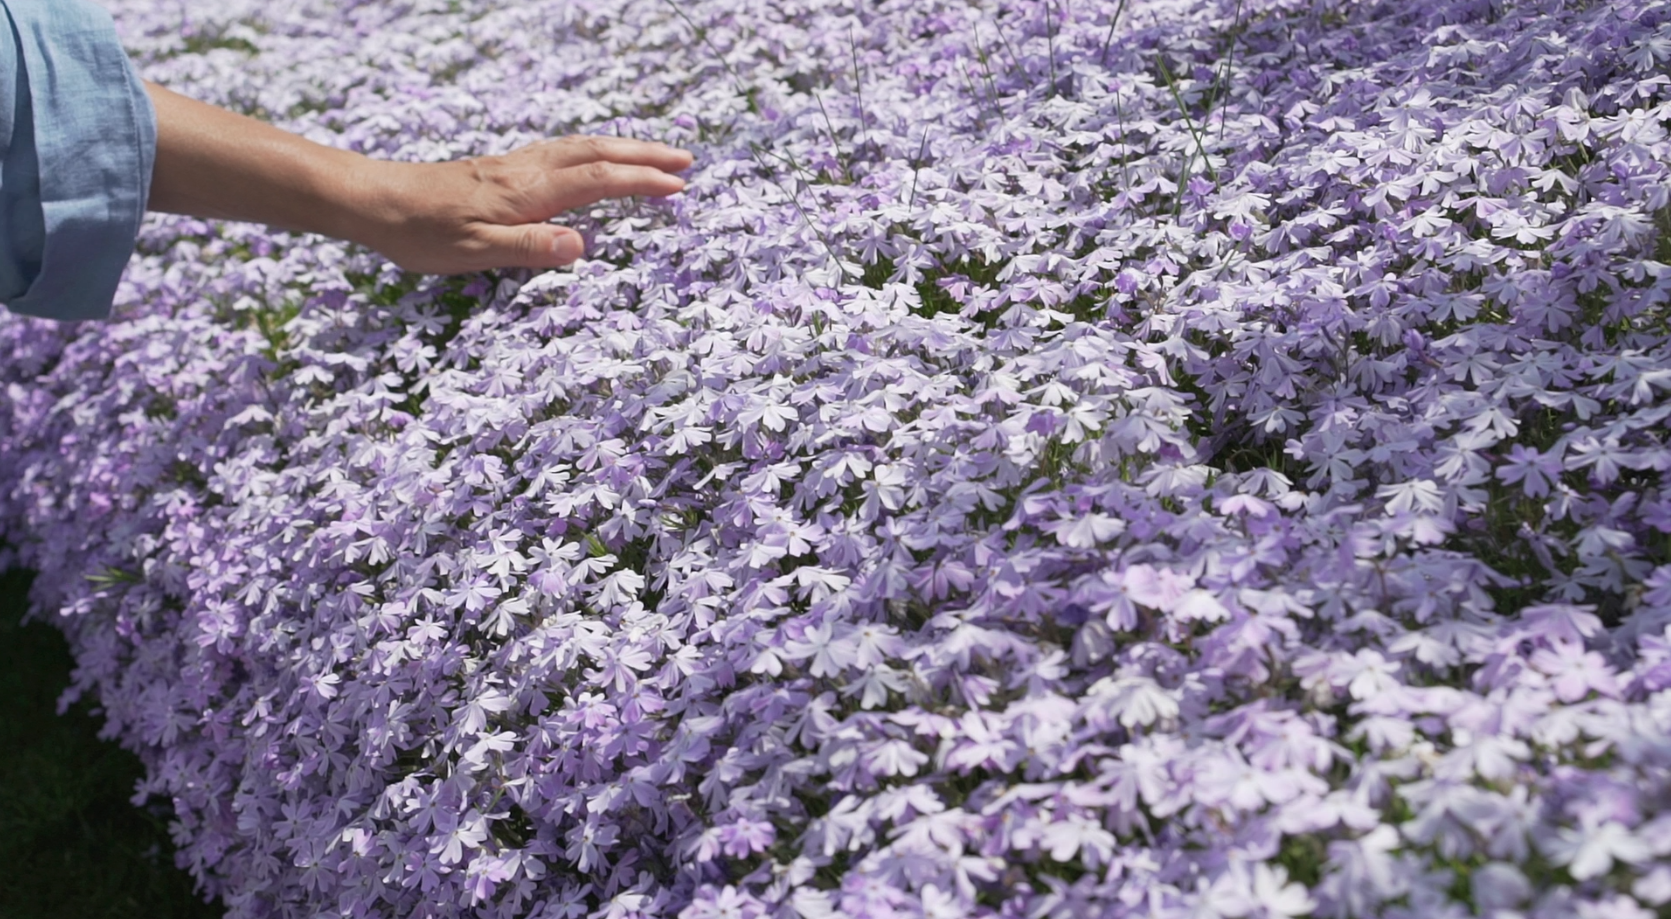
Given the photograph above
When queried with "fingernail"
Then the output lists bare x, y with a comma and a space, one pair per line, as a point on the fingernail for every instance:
567, 247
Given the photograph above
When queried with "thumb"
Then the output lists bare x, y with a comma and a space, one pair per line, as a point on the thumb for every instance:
535, 245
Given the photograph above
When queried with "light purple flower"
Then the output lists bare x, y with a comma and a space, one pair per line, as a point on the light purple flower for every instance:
1053, 459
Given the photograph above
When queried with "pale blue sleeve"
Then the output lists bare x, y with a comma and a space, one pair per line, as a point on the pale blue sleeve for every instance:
78, 138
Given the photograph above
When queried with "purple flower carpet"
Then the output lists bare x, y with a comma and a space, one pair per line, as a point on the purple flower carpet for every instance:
1059, 458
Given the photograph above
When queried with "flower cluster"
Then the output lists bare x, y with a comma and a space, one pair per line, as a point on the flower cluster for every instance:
1156, 458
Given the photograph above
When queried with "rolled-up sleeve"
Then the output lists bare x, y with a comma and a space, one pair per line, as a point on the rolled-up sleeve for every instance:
78, 138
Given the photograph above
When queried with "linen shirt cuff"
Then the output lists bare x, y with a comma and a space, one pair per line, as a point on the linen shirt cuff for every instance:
95, 137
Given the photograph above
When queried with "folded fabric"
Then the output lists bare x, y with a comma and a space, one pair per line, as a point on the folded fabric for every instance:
78, 137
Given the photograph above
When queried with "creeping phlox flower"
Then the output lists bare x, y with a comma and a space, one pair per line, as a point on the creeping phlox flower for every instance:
1156, 458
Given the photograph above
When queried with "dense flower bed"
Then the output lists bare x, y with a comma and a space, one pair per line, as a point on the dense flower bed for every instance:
1154, 458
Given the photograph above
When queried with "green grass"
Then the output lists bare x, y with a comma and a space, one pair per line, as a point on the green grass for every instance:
72, 846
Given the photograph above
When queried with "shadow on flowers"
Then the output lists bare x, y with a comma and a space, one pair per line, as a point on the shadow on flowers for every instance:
71, 844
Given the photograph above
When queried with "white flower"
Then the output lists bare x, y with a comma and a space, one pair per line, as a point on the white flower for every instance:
1590, 851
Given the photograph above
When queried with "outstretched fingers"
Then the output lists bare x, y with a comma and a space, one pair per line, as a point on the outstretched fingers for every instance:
537, 245
579, 151
544, 180
579, 186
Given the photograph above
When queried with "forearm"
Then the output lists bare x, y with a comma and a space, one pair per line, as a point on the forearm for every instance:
218, 164
437, 218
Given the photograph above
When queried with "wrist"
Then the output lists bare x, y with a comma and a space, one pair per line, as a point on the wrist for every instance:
363, 203
380, 204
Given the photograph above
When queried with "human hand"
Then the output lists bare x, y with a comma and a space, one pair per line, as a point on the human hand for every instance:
491, 211
437, 218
